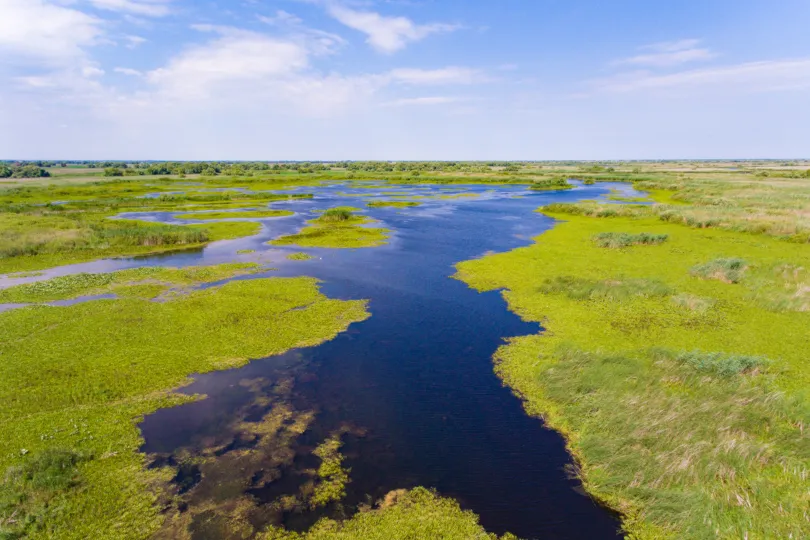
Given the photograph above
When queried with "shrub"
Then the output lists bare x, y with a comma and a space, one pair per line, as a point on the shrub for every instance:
726, 270
620, 240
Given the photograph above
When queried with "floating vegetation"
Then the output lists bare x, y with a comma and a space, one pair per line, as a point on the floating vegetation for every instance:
393, 204
622, 240
300, 256
247, 214
92, 370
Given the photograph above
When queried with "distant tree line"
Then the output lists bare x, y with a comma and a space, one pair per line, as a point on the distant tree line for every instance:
22, 171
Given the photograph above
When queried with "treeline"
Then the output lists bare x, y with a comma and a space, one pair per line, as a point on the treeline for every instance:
22, 171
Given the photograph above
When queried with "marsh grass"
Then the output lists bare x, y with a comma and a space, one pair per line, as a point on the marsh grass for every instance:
393, 204
716, 363
90, 371
336, 228
622, 240
333, 476
729, 270
336, 215
609, 289
708, 439
243, 214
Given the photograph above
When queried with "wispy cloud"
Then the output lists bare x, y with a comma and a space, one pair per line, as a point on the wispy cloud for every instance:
426, 100
668, 53
448, 75
769, 75
128, 71
386, 34
148, 8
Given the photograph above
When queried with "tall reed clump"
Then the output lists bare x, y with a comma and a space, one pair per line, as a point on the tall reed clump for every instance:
729, 270
156, 235
608, 289
336, 215
621, 240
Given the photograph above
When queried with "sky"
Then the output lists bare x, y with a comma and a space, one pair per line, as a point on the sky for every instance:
404, 79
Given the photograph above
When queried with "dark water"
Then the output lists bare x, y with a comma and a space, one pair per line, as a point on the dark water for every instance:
416, 379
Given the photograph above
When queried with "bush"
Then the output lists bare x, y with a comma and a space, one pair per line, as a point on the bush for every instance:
113, 171
620, 240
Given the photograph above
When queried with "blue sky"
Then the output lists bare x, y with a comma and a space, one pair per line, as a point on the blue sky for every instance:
404, 79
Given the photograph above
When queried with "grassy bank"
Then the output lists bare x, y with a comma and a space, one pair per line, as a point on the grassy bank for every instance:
673, 361
77, 379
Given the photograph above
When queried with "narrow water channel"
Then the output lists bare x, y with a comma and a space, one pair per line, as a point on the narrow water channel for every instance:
415, 381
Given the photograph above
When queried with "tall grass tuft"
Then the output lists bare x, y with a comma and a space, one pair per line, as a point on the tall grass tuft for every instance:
621, 240
335, 215
608, 289
716, 363
727, 270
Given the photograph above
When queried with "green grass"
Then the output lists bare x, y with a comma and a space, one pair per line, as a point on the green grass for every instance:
622, 240
393, 204
405, 515
728, 270
252, 214
76, 380
336, 228
683, 399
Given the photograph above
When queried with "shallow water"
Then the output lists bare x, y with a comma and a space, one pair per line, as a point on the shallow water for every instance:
415, 381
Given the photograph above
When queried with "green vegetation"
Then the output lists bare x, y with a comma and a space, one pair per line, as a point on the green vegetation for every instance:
403, 515
702, 436
300, 256
622, 240
728, 270
551, 184
336, 228
333, 476
252, 214
393, 204
77, 379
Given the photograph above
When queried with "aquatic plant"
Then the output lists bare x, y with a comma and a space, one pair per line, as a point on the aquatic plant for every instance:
393, 204
92, 370
336, 228
299, 256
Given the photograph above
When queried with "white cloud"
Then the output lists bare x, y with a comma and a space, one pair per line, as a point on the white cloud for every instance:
281, 18
134, 41
149, 8
236, 56
669, 53
46, 32
426, 100
386, 34
448, 75
128, 71
771, 75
